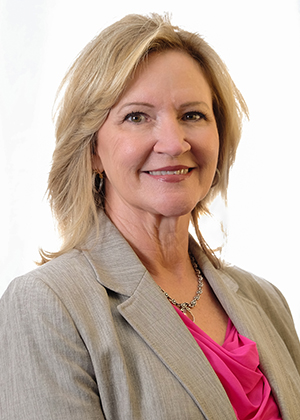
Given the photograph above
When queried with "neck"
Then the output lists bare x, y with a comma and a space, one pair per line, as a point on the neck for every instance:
161, 243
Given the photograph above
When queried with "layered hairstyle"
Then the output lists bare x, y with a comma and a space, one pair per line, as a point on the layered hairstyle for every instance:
93, 85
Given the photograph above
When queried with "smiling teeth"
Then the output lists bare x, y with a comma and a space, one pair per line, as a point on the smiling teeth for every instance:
179, 172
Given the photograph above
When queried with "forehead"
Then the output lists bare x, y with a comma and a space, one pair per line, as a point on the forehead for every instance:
170, 71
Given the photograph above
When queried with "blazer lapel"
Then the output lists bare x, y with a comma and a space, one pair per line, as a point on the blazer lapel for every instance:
155, 320
251, 321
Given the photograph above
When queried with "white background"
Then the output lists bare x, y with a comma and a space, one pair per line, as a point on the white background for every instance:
260, 42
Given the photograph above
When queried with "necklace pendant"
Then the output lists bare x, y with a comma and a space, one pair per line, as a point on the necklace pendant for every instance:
187, 312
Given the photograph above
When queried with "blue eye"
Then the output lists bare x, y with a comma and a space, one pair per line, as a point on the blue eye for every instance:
194, 116
135, 117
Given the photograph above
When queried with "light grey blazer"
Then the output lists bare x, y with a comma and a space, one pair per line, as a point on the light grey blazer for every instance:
90, 336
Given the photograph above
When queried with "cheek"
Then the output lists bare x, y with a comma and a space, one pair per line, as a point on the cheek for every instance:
109, 148
130, 151
214, 145
208, 151
121, 154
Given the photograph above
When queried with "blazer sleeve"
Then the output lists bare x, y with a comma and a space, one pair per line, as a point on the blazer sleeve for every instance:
46, 371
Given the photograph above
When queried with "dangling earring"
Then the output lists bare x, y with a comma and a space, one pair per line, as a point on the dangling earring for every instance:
216, 178
99, 180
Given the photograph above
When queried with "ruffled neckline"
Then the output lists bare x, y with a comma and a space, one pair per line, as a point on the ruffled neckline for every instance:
236, 363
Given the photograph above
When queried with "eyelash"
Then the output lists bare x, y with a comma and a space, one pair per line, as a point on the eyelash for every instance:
201, 115
134, 114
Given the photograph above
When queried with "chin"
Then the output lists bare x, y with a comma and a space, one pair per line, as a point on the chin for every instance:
175, 209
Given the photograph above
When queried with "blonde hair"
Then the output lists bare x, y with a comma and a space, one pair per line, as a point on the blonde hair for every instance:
93, 85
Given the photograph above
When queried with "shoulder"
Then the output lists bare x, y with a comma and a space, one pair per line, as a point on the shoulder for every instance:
269, 298
255, 288
272, 304
71, 265
69, 278
61, 298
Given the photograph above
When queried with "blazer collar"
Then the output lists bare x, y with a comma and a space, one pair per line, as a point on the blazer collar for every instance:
116, 265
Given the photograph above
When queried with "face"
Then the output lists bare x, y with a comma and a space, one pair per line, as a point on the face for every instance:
159, 145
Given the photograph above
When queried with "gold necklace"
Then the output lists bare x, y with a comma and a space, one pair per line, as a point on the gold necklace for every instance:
186, 307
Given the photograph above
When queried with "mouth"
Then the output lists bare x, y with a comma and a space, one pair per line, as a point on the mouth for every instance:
171, 170
176, 172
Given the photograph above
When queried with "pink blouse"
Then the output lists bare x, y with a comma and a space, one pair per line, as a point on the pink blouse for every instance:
236, 363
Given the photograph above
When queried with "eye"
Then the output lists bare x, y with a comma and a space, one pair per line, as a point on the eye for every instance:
135, 117
194, 116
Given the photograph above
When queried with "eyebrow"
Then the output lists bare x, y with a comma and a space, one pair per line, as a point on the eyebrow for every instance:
137, 104
146, 104
195, 103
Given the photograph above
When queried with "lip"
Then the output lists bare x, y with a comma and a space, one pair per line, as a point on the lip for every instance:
170, 168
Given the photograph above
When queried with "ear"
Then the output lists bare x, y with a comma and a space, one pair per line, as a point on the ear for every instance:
96, 161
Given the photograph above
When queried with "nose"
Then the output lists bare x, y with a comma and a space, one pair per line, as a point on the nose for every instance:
170, 138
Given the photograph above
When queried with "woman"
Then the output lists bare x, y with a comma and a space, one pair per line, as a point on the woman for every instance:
132, 319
